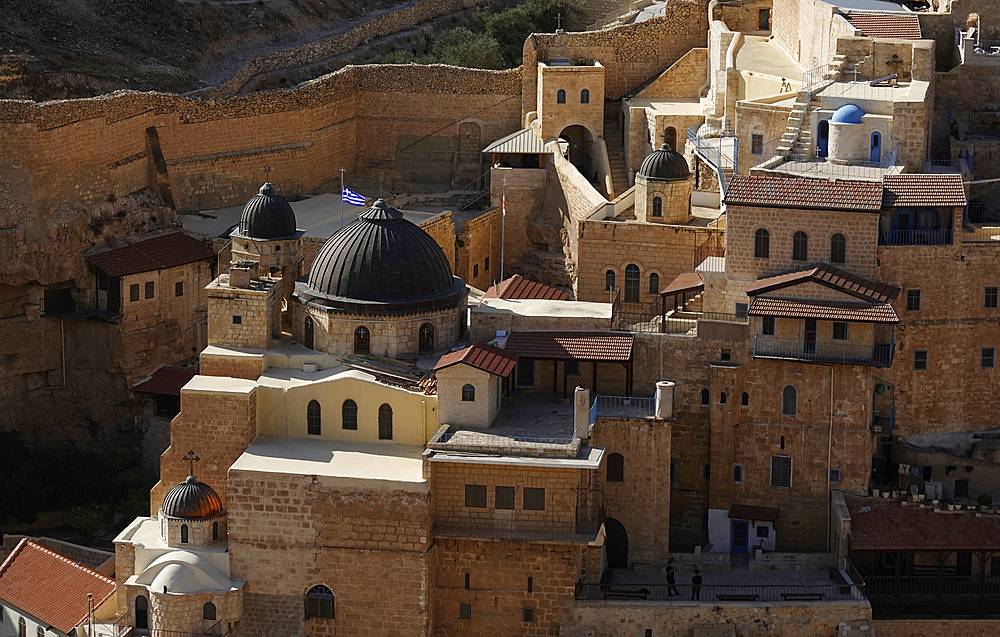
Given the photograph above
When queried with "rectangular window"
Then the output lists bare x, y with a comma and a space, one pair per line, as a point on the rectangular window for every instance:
534, 499
528, 615
741, 310
990, 296
987, 357
961, 488
920, 359
475, 270
133, 292
504, 497
486, 264
237, 319
150, 288
572, 368
756, 143
726, 355
781, 471
475, 496
767, 326
525, 372
179, 288
995, 566
912, 300
706, 471
840, 330
834, 475
468, 578
531, 583
763, 531
465, 611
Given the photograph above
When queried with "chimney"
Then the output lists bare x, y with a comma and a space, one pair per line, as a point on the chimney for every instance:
581, 412
664, 400
242, 273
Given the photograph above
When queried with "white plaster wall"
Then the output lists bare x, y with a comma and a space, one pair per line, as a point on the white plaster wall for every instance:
719, 531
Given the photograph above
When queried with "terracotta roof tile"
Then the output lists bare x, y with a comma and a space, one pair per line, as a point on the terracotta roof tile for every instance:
755, 513
922, 190
158, 253
823, 310
166, 381
580, 346
879, 524
831, 277
899, 27
685, 282
50, 587
791, 192
517, 287
482, 356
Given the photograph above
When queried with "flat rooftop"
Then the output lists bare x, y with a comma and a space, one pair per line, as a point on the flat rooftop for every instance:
358, 465
669, 106
544, 307
761, 54
535, 415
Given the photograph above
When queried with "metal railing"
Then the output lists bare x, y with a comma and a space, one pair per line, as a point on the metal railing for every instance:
987, 47
811, 164
882, 421
984, 234
711, 593
83, 306
977, 212
939, 237
927, 596
623, 407
711, 150
714, 246
946, 166
653, 318
814, 77
877, 354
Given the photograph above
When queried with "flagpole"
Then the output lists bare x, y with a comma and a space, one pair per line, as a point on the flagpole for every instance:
503, 224
341, 197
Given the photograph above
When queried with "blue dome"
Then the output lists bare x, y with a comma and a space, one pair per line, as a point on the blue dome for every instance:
848, 114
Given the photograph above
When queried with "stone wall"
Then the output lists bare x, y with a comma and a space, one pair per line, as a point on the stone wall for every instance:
569, 199
525, 188
743, 16
479, 252
442, 229
934, 627
683, 79
244, 317
768, 121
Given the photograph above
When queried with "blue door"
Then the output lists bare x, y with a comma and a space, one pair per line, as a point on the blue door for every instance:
823, 139
876, 147
741, 535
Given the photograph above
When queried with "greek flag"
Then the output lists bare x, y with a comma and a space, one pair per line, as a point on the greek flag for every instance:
350, 197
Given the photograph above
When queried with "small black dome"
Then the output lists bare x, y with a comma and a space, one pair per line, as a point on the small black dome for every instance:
267, 216
664, 165
192, 499
382, 258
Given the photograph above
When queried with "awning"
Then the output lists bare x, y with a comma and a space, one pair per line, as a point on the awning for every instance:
823, 310
754, 513
166, 381
524, 142
572, 346
685, 282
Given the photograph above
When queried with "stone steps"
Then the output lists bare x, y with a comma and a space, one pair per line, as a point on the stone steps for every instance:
616, 157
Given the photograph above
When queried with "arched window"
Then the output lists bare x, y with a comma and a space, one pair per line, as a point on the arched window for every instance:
800, 246
319, 602
670, 138
215, 531
208, 611
426, 338
313, 420
22, 628
468, 394
40, 632
745, 399
704, 397
737, 473
141, 612
838, 248
722, 398
609, 281
585, 96
788, 399
616, 468
385, 422
762, 244
307, 332
349, 414
362, 341
654, 283
657, 207
631, 283
561, 96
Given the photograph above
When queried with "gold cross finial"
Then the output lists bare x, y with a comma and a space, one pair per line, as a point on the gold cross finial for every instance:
191, 458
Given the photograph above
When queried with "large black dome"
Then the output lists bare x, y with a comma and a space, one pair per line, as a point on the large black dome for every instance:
381, 259
664, 165
192, 499
267, 216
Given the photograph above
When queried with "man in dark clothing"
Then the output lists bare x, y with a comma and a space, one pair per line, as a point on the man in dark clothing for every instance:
696, 585
671, 584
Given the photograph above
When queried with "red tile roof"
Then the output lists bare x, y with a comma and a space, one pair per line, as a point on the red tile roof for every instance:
755, 513
685, 282
166, 381
517, 287
879, 524
158, 253
899, 27
831, 277
50, 587
482, 356
823, 310
922, 190
569, 346
792, 192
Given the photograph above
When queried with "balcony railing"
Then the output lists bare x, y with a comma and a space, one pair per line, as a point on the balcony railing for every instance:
715, 594
985, 234
877, 354
83, 306
932, 596
915, 237
623, 407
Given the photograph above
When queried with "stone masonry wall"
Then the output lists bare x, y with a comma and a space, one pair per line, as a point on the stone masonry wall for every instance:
256, 308
525, 188
683, 79
932, 628
480, 251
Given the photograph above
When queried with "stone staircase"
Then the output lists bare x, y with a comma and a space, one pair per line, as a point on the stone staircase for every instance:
695, 303
797, 138
616, 157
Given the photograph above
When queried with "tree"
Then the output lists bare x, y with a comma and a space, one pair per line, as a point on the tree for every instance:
462, 47
19, 493
510, 29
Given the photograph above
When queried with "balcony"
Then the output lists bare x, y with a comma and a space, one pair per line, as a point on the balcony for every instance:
80, 306
876, 354
621, 407
915, 237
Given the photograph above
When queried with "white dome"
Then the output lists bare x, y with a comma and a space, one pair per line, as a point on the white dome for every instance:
183, 572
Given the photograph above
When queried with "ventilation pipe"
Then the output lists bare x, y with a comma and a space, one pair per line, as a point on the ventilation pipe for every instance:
581, 412
664, 400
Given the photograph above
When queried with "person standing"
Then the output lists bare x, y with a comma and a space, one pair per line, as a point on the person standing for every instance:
671, 583
696, 585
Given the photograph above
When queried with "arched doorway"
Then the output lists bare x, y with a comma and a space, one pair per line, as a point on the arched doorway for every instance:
616, 543
823, 138
580, 149
876, 155
141, 612
670, 138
